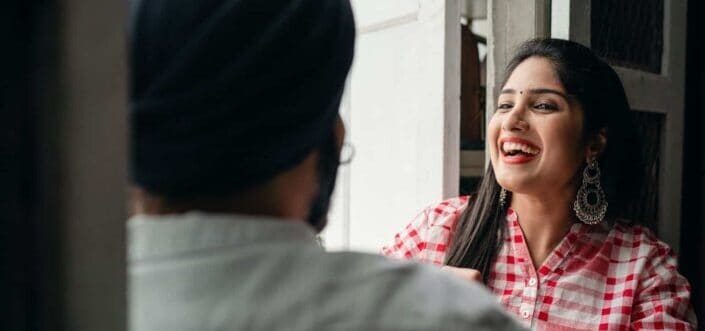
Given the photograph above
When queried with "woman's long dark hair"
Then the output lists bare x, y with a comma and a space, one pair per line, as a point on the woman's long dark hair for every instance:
479, 233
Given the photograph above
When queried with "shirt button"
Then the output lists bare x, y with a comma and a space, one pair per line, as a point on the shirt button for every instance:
532, 281
525, 314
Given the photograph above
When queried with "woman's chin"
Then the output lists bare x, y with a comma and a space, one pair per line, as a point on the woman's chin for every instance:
517, 183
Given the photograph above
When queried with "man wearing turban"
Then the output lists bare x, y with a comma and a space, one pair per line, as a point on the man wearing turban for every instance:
235, 142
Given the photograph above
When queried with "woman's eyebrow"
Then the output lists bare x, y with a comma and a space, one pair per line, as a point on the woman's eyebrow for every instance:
537, 91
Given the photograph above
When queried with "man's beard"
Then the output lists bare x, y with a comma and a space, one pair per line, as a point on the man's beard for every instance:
328, 162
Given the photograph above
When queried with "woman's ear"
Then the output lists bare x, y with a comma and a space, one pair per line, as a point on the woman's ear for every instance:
597, 145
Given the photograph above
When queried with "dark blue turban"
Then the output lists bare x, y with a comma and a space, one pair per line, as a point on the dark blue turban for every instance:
226, 94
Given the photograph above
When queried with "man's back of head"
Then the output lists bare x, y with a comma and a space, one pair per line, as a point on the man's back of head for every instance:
228, 95
235, 146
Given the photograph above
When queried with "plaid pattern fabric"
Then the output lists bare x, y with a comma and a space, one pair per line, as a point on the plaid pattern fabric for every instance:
598, 277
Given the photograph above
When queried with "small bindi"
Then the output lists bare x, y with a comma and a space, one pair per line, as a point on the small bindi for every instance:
521, 92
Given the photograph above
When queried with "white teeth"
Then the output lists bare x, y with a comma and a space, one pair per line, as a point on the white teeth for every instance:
515, 147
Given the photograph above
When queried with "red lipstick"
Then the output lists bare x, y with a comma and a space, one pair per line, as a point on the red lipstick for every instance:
518, 158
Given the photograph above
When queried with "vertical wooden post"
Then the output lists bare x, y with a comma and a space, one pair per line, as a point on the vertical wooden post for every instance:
451, 137
83, 164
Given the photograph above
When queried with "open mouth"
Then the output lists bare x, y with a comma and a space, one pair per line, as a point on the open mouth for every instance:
517, 150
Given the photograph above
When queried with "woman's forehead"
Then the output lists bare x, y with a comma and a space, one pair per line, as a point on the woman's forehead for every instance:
534, 74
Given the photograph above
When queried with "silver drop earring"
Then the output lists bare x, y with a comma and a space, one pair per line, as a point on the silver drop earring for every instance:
590, 204
502, 198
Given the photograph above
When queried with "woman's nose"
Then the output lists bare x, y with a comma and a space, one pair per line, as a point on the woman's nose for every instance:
514, 120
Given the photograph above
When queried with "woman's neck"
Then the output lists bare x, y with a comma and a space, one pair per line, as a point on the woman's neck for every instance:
544, 221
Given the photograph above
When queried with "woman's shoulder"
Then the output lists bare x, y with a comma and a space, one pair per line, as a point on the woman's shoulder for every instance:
426, 237
446, 213
636, 241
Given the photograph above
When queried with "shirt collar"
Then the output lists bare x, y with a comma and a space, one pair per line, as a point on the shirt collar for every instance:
559, 253
152, 236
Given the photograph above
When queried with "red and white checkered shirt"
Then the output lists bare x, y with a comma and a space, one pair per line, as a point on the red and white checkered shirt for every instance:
598, 277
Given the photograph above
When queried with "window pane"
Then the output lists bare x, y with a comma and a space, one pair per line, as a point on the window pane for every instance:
629, 33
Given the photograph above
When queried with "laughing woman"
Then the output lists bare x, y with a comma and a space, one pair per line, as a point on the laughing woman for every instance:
545, 231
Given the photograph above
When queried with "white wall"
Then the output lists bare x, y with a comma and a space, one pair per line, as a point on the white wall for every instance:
401, 111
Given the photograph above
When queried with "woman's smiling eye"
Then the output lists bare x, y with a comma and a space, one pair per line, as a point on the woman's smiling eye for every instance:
505, 106
546, 106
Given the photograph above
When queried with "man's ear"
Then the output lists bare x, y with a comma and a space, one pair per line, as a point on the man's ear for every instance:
596, 145
339, 133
